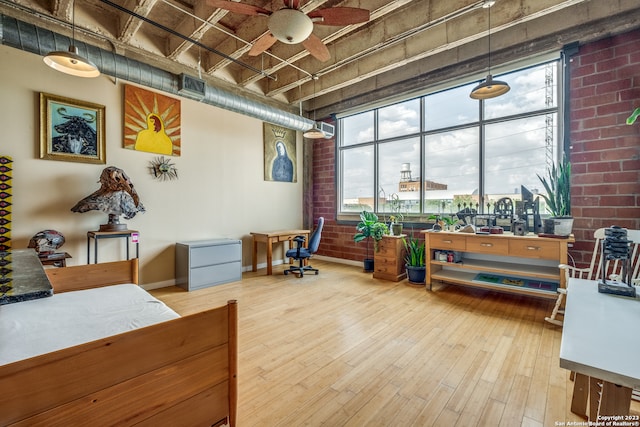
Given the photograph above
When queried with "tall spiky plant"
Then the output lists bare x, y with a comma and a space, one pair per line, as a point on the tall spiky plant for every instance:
558, 188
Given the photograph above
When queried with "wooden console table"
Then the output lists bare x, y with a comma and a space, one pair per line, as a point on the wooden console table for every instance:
530, 258
271, 237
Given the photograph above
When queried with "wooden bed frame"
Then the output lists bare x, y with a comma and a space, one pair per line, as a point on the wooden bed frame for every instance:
179, 372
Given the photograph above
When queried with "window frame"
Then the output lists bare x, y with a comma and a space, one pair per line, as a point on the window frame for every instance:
561, 144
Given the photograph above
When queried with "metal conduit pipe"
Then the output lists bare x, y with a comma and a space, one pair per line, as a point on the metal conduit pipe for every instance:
28, 37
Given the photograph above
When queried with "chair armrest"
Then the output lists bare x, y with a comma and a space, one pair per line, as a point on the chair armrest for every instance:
573, 272
299, 239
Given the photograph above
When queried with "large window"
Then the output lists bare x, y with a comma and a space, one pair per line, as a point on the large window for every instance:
444, 151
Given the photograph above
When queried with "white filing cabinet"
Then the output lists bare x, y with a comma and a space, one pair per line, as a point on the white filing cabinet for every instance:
204, 263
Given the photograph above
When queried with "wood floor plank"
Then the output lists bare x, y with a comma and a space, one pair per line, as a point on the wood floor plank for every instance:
341, 348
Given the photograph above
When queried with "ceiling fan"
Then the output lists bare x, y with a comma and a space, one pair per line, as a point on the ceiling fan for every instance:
292, 26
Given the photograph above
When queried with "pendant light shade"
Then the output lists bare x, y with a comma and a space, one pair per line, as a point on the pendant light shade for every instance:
319, 129
69, 62
489, 88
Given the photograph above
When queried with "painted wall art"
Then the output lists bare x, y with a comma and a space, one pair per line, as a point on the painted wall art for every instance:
151, 122
71, 130
279, 153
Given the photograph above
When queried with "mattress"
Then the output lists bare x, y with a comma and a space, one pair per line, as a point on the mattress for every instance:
36, 327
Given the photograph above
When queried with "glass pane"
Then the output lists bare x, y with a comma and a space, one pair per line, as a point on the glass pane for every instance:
357, 179
357, 129
516, 152
399, 176
399, 119
450, 108
452, 171
532, 89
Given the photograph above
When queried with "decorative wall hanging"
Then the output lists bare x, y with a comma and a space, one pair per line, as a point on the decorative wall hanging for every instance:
162, 169
6, 165
279, 153
115, 197
151, 122
71, 130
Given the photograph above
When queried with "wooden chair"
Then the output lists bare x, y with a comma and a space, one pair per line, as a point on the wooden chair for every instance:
594, 271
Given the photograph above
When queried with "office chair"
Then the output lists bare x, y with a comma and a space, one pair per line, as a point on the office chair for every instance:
301, 254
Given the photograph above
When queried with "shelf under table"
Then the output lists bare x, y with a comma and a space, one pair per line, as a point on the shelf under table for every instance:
501, 267
466, 278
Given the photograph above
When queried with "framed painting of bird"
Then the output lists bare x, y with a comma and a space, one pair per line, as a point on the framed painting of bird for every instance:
71, 130
151, 122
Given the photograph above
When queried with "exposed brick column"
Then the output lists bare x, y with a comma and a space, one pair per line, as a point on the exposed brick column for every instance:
605, 153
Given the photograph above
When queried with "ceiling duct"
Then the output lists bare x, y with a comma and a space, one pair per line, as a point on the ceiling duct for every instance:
30, 38
191, 87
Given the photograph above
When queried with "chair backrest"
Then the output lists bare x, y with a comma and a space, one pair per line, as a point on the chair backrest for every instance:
314, 240
613, 268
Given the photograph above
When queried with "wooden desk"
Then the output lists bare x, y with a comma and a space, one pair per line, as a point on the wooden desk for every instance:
271, 237
600, 343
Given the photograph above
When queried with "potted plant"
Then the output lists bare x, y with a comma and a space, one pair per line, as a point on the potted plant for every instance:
396, 217
415, 260
558, 197
370, 228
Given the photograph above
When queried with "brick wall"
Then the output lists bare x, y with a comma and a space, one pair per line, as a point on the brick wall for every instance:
605, 153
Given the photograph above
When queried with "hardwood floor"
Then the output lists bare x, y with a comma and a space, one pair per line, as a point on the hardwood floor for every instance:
343, 349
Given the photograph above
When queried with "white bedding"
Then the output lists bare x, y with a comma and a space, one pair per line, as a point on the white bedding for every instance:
36, 327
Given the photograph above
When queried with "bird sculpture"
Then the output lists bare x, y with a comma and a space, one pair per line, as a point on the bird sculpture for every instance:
115, 197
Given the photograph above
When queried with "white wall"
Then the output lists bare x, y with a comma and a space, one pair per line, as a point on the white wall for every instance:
220, 192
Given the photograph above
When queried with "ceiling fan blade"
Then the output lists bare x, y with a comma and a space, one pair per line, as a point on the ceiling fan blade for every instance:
245, 9
292, 4
316, 48
339, 16
262, 44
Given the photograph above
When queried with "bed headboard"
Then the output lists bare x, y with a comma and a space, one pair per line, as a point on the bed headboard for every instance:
77, 277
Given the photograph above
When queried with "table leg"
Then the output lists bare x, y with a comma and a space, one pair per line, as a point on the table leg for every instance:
594, 398
615, 399
580, 395
255, 255
269, 256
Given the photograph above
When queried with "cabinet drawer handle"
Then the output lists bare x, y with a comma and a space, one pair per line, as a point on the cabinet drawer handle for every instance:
447, 241
533, 248
486, 245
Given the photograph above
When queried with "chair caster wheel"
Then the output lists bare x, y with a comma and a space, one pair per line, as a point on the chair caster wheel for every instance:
317, 273
286, 272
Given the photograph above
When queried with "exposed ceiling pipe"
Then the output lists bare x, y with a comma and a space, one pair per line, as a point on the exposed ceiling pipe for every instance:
29, 38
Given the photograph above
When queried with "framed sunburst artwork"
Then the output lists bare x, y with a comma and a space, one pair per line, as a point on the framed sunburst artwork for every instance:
151, 122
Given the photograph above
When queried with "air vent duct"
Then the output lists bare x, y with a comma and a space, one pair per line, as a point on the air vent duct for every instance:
191, 87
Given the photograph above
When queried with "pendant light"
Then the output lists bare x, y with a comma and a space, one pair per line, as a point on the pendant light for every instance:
489, 88
70, 62
316, 131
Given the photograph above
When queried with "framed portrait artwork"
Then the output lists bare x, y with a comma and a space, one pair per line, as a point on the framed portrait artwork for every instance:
151, 122
280, 162
71, 130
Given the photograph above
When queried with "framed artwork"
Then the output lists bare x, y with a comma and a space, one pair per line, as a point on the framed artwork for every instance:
280, 162
151, 122
71, 130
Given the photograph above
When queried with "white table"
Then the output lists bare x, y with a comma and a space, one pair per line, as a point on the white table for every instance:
600, 342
